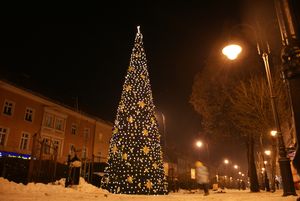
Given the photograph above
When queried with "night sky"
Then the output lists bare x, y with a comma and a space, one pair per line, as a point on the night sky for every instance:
70, 54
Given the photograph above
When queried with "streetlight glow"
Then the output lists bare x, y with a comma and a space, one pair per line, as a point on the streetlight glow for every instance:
273, 133
236, 166
268, 152
232, 51
226, 161
199, 144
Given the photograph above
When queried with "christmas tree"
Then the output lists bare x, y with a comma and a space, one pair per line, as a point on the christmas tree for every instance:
135, 163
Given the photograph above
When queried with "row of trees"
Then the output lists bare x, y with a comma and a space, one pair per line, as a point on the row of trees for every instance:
236, 103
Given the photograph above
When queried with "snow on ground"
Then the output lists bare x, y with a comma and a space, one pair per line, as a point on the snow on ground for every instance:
10, 191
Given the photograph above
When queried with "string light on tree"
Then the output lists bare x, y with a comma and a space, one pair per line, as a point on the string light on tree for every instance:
135, 164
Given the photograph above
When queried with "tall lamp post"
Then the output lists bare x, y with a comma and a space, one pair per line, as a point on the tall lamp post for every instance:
290, 56
273, 159
284, 161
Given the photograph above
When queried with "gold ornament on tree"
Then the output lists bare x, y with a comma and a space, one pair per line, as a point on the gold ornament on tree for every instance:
115, 130
115, 149
146, 150
130, 69
130, 119
128, 88
141, 104
124, 156
145, 132
148, 184
129, 179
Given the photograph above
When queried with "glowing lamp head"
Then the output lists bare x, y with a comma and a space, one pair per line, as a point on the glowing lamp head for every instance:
232, 51
199, 144
273, 133
268, 152
226, 161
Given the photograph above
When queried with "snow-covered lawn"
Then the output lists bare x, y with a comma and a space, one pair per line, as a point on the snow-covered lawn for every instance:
10, 191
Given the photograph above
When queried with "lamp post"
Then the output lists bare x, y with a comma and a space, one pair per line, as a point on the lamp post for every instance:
273, 159
290, 56
284, 161
226, 162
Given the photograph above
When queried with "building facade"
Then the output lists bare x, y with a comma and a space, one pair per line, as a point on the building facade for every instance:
25, 114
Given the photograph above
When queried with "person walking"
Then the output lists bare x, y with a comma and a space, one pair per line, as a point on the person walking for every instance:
202, 176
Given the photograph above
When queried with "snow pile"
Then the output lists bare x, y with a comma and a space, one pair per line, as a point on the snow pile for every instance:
57, 187
56, 191
88, 188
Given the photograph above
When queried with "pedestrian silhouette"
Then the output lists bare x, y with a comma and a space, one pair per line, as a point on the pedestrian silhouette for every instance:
202, 176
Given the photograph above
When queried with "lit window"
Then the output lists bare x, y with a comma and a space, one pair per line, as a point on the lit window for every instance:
74, 129
3, 135
29, 114
48, 120
24, 141
59, 124
8, 107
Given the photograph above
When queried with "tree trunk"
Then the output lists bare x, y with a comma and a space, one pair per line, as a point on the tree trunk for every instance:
254, 186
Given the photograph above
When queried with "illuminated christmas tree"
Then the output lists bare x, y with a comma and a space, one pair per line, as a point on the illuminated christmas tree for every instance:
135, 164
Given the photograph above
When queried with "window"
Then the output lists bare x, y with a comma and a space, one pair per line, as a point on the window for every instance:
84, 152
74, 129
59, 124
3, 135
8, 107
29, 114
24, 141
86, 133
46, 145
48, 120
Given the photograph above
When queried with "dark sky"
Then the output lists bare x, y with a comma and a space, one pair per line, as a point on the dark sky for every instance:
71, 53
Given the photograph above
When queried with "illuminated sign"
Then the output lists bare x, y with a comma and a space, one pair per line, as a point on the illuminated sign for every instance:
14, 155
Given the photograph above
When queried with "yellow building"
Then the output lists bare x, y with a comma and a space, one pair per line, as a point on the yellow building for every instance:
24, 114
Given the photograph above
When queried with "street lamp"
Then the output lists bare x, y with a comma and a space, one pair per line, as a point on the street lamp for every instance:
199, 144
226, 161
268, 152
232, 51
273, 133
284, 161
